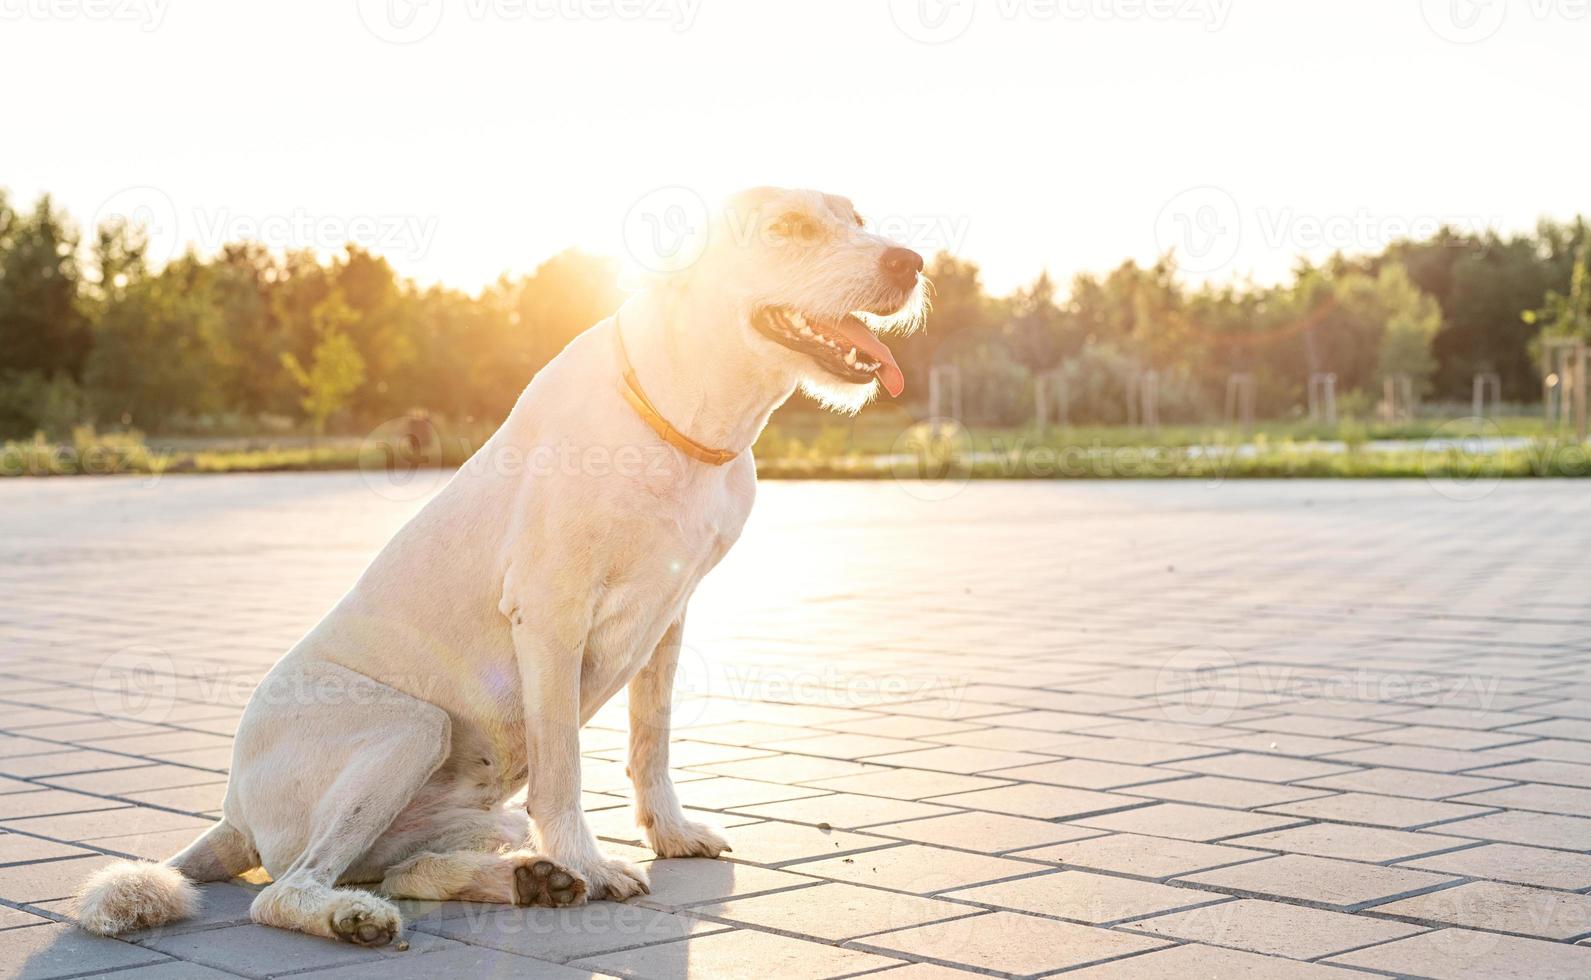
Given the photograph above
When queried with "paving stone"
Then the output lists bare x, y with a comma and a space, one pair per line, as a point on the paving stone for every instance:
1379, 811
774, 842
65, 763
1519, 827
1459, 954
1500, 907
1266, 768
1402, 782
1336, 840
1571, 800
16, 918
979, 830
1513, 862
1085, 897
845, 746
172, 970
1541, 771
108, 823
1274, 928
738, 954
47, 802
561, 935
1193, 960
787, 768
1088, 774
847, 810
43, 952
1239, 794
834, 911
1187, 822
691, 881
916, 868
1283, 744
1419, 757
262, 951
22, 849
1010, 943
1343, 885
41, 882
1142, 857
1040, 802
907, 784
928, 971
455, 961
1132, 751
724, 793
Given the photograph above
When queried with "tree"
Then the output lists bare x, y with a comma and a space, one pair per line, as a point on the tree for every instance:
44, 337
159, 349
336, 369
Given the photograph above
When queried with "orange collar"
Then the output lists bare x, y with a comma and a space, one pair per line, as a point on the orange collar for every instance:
631, 390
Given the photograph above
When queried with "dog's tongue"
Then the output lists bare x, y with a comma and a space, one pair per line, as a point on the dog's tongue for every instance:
865, 342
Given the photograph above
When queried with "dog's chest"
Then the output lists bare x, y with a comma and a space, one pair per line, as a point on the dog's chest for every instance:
652, 581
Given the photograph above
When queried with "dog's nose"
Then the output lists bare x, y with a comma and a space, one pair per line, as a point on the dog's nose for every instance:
901, 266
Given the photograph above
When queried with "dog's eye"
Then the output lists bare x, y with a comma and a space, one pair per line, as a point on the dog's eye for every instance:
795, 226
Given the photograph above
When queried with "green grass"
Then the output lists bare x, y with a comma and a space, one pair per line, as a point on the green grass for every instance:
885, 446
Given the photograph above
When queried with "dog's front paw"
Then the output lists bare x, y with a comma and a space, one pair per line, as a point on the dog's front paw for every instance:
686, 838
615, 880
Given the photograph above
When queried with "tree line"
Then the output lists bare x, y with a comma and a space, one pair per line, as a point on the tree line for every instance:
247, 340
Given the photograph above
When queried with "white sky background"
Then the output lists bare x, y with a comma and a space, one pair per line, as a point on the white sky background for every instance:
1049, 133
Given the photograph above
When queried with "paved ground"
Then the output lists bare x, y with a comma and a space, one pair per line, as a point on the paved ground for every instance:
1125, 730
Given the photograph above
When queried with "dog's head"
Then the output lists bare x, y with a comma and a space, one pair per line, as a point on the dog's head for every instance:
812, 289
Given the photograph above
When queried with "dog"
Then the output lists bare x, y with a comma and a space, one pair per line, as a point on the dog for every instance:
385, 748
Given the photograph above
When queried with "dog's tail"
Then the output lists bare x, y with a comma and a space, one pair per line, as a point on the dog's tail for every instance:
141, 894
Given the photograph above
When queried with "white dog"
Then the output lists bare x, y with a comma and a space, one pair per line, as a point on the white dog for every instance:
549, 573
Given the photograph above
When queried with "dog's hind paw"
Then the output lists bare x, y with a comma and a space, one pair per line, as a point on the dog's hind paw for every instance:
542, 883
365, 921
686, 839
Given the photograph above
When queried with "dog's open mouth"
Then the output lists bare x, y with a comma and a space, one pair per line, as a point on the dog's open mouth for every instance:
844, 347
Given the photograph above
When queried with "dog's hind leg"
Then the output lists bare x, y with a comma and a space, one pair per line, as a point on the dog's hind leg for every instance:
508, 877
475, 859
219, 853
334, 759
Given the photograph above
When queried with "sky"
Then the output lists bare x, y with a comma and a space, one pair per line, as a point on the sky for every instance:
469, 138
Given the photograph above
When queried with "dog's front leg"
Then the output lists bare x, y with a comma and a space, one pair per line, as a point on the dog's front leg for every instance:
657, 807
549, 669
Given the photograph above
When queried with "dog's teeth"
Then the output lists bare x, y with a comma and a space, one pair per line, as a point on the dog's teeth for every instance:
800, 321
850, 357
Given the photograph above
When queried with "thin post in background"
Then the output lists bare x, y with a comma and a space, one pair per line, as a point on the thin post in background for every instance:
944, 380
1486, 391
1240, 400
